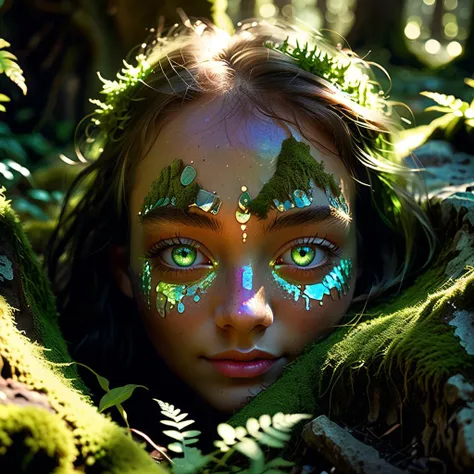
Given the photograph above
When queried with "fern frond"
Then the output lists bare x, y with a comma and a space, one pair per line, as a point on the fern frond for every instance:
10, 67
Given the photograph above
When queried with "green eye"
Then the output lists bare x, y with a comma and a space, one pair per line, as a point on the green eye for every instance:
303, 255
184, 255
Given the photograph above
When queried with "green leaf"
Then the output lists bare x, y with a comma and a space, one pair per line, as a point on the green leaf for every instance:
4, 98
183, 424
103, 382
268, 440
117, 395
227, 433
174, 434
169, 423
187, 442
253, 427
10, 67
191, 433
123, 414
2, 2
279, 462
2, 108
182, 417
277, 433
175, 447
250, 448
193, 461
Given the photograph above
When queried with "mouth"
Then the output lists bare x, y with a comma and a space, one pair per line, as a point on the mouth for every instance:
235, 364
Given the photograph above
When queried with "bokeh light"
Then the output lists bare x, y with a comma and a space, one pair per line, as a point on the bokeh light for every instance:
432, 46
454, 48
412, 30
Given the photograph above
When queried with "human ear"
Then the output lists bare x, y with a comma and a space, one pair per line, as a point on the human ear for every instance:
118, 259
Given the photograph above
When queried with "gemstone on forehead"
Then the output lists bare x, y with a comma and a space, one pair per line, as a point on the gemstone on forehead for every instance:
188, 175
242, 217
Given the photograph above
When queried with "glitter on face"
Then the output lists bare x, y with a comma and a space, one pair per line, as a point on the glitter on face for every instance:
338, 204
338, 279
146, 282
242, 214
247, 277
169, 295
205, 200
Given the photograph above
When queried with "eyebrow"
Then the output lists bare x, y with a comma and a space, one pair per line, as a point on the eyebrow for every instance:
313, 215
166, 215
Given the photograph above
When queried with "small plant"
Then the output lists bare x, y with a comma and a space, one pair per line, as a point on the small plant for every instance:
456, 122
269, 431
13, 71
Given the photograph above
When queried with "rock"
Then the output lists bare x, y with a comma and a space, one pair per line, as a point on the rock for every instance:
463, 321
459, 392
345, 452
463, 243
457, 201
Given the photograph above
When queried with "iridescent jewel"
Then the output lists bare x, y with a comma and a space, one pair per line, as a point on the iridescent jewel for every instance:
338, 203
188, 175
301, 199
207, 202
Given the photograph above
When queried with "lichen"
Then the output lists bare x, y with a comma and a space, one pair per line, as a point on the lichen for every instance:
295, 169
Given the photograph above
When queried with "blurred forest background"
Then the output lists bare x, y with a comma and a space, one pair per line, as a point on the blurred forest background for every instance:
426, 45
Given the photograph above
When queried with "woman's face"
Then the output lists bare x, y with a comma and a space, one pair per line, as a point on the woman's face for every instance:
231, 300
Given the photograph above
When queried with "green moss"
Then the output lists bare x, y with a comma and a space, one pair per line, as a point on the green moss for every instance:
168, 185
406, 339
99, 445
33, 440
295, 169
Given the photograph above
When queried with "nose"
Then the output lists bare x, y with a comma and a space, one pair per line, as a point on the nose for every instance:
242, 308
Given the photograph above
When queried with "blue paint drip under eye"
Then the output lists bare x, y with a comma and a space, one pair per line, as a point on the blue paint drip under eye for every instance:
338, 279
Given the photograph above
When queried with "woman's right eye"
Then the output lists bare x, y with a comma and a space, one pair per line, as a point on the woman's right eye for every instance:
183, 256
178, 254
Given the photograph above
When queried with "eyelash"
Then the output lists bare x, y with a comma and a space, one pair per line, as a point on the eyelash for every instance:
155, 251
332, 250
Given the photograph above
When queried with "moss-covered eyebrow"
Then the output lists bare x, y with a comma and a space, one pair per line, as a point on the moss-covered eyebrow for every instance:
297, 171
166, 215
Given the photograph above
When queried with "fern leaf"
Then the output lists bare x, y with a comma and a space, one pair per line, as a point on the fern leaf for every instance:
169, 422
187, 442
181, 417
270, 441
174, 434
175, 447
183, 424
10, 68
191, 433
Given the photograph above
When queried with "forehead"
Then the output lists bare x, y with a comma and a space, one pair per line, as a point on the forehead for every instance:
228, 149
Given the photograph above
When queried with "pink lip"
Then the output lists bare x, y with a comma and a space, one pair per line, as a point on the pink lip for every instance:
243, 369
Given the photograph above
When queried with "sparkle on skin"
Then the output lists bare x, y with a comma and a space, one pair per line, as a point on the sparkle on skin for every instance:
168, 295
338, 278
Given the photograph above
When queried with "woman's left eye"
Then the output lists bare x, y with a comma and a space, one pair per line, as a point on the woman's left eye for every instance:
305, 256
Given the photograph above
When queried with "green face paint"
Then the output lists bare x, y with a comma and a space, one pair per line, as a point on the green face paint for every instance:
168, 295
338, 278
176, 186
296, 175
145, 281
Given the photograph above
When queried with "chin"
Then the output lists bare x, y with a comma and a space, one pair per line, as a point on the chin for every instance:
231, 399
